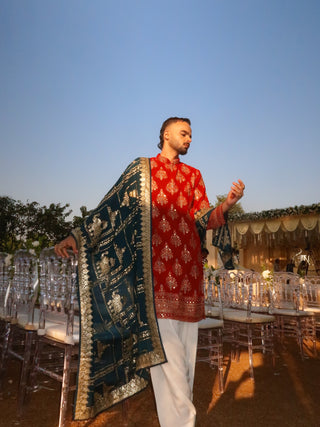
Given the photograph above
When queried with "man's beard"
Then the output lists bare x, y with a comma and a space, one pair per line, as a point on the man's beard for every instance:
183, 150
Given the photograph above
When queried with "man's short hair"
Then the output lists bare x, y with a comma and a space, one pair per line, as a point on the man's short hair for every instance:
168, 122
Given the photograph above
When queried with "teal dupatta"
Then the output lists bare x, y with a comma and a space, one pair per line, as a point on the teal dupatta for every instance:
119, 337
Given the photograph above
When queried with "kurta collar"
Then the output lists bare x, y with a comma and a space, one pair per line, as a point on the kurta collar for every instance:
163, 159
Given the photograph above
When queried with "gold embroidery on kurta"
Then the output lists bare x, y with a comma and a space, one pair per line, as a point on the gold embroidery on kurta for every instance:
159, 266
171, 187
183, 226
180, 177
181, 201
164, 224
186, 287
171, 281
156, 239
185, 255
161, 174
172, 213
177, 268
175, 239
162, 198
166, 252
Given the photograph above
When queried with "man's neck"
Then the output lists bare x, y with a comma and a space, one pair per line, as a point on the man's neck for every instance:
169, 154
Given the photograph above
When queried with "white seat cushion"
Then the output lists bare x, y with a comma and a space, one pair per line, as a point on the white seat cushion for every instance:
209, 323
242, 316
212, 311
22, 318
56, 317
58, 332
52, 318
314, 310
287, 312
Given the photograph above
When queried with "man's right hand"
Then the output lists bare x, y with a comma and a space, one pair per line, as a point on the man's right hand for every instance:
61, 248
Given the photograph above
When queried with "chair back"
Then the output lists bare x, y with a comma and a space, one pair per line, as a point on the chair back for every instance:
4, 280
286, 291
57, 289
243, 289
212, 296
221, 277
25, 286
262, 293
310, 289
4, 285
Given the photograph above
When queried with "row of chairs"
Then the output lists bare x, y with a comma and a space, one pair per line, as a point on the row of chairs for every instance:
249, 310
38, 301
40, 328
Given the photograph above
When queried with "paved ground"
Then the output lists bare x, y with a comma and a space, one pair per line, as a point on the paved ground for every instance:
288, 395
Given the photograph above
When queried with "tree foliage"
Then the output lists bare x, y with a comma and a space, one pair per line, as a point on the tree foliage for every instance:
77, 220
235, 210
22, 224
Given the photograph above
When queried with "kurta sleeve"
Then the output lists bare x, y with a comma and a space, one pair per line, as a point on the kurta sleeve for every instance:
200, 201
216, 219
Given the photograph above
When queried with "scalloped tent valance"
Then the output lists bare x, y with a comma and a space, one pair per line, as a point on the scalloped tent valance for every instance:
292, 233
290, 223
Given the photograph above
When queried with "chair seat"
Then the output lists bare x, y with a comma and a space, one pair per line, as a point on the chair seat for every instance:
260, 309
314, 310
22, 319
58, 332
291, 312
55, 317
52, 318
212, 311
209, 323
242, 316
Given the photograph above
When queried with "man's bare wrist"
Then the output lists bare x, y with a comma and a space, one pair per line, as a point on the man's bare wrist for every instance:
225, 207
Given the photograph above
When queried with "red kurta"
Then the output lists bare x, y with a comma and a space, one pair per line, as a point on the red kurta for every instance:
178, 192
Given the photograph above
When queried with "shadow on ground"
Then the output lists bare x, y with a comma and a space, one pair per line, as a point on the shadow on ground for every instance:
284, 395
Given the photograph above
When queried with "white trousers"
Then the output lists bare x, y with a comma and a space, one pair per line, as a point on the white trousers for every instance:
173, 381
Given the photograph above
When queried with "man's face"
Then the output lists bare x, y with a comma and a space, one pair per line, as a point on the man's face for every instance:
178, 137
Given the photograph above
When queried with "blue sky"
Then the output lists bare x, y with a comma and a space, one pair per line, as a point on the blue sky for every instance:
86, 85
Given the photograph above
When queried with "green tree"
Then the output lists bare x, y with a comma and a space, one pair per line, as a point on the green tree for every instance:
77, 220
22, 224
236, 209
9, 224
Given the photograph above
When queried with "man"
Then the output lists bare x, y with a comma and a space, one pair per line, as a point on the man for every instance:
180, 216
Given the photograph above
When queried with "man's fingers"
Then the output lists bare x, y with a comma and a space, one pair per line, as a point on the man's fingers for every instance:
238, 188
61, 249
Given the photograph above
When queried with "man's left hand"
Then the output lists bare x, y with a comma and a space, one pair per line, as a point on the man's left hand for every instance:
234, 195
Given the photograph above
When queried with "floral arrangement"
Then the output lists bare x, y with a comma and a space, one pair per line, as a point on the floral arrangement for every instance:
276, 213
208, 270
267, 276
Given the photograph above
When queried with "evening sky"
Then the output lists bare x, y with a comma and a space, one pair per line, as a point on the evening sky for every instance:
85, 86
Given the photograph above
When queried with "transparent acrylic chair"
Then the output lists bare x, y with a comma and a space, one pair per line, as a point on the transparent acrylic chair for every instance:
56, 350
310, 290
4, 284
4, 288
243, 327
292, 320
210, 344
19, 308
